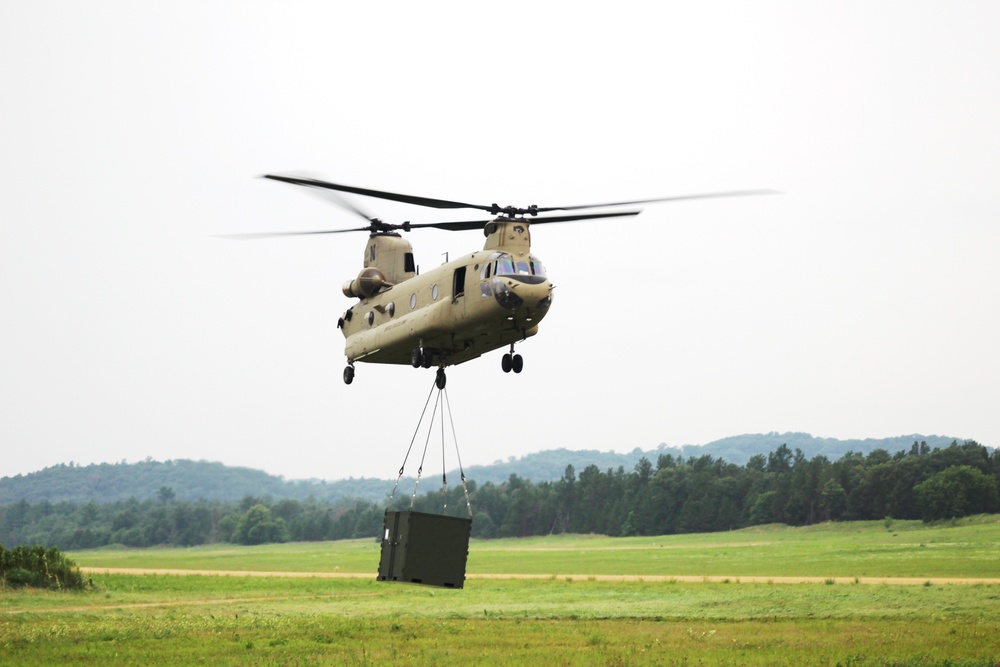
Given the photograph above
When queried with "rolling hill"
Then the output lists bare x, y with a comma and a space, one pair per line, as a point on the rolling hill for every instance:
192, 480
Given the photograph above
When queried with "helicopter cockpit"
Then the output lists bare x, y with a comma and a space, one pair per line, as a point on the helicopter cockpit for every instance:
501, 264
500, 268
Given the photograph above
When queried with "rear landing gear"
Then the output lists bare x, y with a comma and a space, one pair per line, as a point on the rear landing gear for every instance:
419, 357
512, 362
349, 374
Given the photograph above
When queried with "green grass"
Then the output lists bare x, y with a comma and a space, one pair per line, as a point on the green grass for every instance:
301, 621
226, 620
910, 549
968, 548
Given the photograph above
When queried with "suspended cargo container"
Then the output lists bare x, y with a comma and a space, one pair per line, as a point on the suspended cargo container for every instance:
422, 548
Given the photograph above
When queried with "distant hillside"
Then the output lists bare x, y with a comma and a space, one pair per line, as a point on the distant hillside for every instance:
551, 464
189, 480
192, 480
739, 448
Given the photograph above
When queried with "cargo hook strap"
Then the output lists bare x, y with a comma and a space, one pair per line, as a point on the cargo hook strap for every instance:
444, 476
458, 455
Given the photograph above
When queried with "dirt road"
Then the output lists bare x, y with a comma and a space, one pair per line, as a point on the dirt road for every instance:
898, 581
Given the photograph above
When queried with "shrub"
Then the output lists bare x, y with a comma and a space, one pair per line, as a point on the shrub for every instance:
38, 567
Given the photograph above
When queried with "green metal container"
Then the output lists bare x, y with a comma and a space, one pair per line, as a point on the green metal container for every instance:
422, 548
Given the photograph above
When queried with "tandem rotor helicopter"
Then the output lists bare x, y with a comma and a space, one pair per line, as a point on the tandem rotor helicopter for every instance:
480, 302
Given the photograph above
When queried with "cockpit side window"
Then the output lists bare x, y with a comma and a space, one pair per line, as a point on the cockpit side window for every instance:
536, 267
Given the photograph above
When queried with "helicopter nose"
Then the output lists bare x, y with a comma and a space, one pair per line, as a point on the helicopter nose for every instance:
513, 293
537, 296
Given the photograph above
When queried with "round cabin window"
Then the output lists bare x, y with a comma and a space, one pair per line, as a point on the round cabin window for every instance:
413, 301
370, 317
391, 309
434, 293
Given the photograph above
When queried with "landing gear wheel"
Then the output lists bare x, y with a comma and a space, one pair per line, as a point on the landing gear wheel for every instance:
348, 374
517, 363
506, 363
428, 358
416, 357
441, 379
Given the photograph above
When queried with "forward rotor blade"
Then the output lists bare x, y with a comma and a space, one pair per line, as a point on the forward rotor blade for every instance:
461, 226
707, 195
581, 216
392, 196
466, 225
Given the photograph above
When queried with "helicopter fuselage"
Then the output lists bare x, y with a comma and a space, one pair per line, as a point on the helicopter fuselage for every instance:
456, 312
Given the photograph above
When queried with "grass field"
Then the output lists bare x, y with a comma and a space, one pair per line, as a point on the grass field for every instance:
577, 618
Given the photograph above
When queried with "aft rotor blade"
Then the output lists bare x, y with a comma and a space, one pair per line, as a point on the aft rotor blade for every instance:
707, 195
392, 196
332, 197
269, 235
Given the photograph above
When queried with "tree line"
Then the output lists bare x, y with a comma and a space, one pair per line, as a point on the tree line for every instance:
706, 494
674, 495
166, 520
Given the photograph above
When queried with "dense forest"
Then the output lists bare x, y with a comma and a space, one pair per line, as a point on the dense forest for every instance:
672, 495
105, 483
706, 494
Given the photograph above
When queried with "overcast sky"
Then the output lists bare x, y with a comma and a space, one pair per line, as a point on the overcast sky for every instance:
862, 302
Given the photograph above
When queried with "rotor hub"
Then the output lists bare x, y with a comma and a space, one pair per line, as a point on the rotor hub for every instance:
513, 211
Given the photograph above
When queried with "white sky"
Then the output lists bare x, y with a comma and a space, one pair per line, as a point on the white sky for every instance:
863, 302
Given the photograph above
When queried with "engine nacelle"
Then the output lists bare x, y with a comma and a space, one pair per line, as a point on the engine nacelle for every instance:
368, 283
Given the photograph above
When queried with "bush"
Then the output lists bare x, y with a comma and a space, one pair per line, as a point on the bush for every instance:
38, 567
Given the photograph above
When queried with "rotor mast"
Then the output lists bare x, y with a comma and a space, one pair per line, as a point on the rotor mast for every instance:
508, 235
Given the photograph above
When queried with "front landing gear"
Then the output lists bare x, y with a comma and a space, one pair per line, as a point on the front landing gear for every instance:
441, 379
512, 362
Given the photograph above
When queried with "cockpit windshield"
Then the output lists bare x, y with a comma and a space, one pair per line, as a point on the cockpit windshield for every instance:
502, 264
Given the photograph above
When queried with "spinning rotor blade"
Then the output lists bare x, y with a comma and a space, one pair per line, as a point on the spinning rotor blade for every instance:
509, 211
707, 195
506, 213
269, 235
581, 216
328, 195
466, 225
335, 199
392, 196
461, 226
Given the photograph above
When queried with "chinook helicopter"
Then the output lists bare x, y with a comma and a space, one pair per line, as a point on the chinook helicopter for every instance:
482, 301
